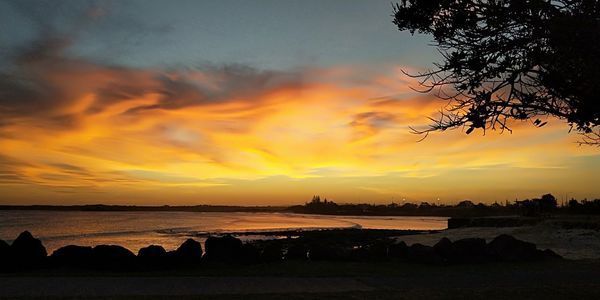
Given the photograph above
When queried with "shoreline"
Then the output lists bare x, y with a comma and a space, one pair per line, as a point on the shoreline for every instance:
573, 237
352, 245
380, 268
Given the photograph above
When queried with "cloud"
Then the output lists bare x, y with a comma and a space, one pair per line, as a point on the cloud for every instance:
10, 170
72, 124
49, 85
367, 124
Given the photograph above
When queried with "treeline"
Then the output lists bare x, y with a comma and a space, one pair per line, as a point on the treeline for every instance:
545, 205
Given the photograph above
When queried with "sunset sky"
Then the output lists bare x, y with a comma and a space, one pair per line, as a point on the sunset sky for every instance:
246, 102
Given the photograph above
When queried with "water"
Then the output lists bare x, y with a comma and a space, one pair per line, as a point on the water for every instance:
135, 230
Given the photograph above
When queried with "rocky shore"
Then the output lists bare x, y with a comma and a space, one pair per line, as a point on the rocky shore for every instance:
355, 245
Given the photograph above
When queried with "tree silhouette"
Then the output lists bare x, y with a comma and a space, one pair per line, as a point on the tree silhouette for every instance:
548, 203
510, 60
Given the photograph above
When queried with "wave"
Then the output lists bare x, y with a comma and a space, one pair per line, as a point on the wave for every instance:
165, 231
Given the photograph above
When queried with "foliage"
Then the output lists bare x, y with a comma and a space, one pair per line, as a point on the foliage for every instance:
543, 206
511, 60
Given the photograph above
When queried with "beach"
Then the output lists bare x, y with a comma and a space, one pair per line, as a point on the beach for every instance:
571, 243
364, 274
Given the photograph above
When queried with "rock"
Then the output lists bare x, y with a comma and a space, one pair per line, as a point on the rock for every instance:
4, 248
444, 249
112, 257
423, 254
271, 253
189, 252
507, 248
250, 255
469, 250
332, 252
296, 252
548, 254
28, 251
398, 250
152, 252
5, 256
378, 250
72, 256
224, 249
324, 252
152, 256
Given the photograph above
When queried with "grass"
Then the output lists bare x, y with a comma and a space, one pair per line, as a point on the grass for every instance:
331, 269
560, 293
392, 280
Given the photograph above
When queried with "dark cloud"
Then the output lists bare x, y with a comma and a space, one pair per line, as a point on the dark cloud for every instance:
10, 170
23, 89
223, 83
373, 119
46, 83
68, 168
370, 123
8, 178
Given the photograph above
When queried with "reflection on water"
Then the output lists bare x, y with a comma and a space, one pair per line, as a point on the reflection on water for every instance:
169, 229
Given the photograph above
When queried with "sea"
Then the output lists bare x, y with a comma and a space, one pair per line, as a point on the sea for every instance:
135, 230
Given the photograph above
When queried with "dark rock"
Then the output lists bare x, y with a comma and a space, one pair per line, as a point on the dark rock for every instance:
28, 251
423, 254
4, 248
549, 254
152, 256
468, 250
112, 257
152, 252
190, 252
272, 252
325, 252
5, 256
398, 250
377, 250
296, 252
507, 248
444, 249
72, 256
250, 254
224, 249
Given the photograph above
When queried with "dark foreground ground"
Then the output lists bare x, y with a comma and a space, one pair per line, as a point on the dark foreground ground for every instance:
320, 280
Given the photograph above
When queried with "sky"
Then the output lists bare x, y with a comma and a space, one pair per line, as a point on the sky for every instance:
246, 103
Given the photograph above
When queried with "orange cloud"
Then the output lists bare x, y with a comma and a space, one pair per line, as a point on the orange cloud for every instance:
104, 133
